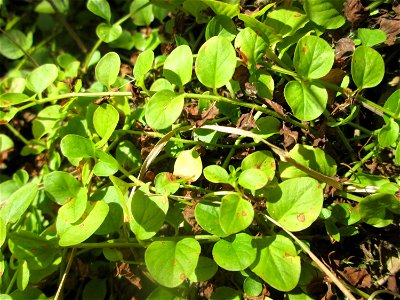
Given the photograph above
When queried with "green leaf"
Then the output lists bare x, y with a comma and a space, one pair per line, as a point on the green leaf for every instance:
105, 120
371, 37
308, 156
36, 250
188, 165
264, 83
260, 28
107, 69
296, 203
94, 216
144, 63
208, 217
279, 254
8, 99
224, 292
252, 287
397, 154
128, 156
5, 143
163, 109
236, 213
285, 22
28, 293
221, 8
377, 209
72, 210
108, 33
161, 84
41, 78
22, 275
261, 160
235, 253
46, 120
205, 270
12, 41
392, 104
171, 262
95, 289
388, 134
107, 165
367, 67
326, 13
15, 206
141, 12
61, 186
251, 45
216, 62
313, 57
178, 66
163, 293
306, 99
221, 25
148, 213
253, 179
3, 231
166, 183
216, 174
100, 8
267, 126
76, 146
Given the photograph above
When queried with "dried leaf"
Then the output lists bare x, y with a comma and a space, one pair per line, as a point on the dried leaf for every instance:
289, 137
208, 114
246, 122
275, 106
343, 47
391, 26
354, 11
334, 76
357, 277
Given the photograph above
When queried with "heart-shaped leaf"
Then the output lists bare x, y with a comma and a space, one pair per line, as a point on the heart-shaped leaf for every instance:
107, 165
307, 100
236, 213
235, 253
205, 270
279, 254
171, 262
207, 215
296, 203
163, 109
367, 67
107, 69
216, 62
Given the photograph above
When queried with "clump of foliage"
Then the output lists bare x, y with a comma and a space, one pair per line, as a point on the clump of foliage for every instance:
194, 148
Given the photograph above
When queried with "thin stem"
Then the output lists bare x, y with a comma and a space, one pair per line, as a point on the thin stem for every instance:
248, 105
90, 55
11, 284
69, 29
360, 163
17, 134
61, 286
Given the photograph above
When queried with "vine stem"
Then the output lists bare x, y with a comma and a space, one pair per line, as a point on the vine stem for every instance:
61, 286
320, 264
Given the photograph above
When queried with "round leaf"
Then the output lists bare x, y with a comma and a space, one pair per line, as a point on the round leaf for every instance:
107, 69
277, 263
76, 146
235, 253
148, 214
107, 32
141, 12
216, 174
367, 67
388, 134
307, 100
308, 156
94, 214
252, 287
326, 13
236, 214
205, 270
128, 156
163, 293
163, 109
207, 215
253, 179
105, 120
376, 209
250, 44
107, 165
296, 203
61, 186
216, 62
41, 78
178, 66
100, 8
313, 57
261, 160
9, 42
188, 165
224, 292
170, 262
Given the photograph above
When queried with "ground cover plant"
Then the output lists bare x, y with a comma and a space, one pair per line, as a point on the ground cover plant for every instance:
196, 149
